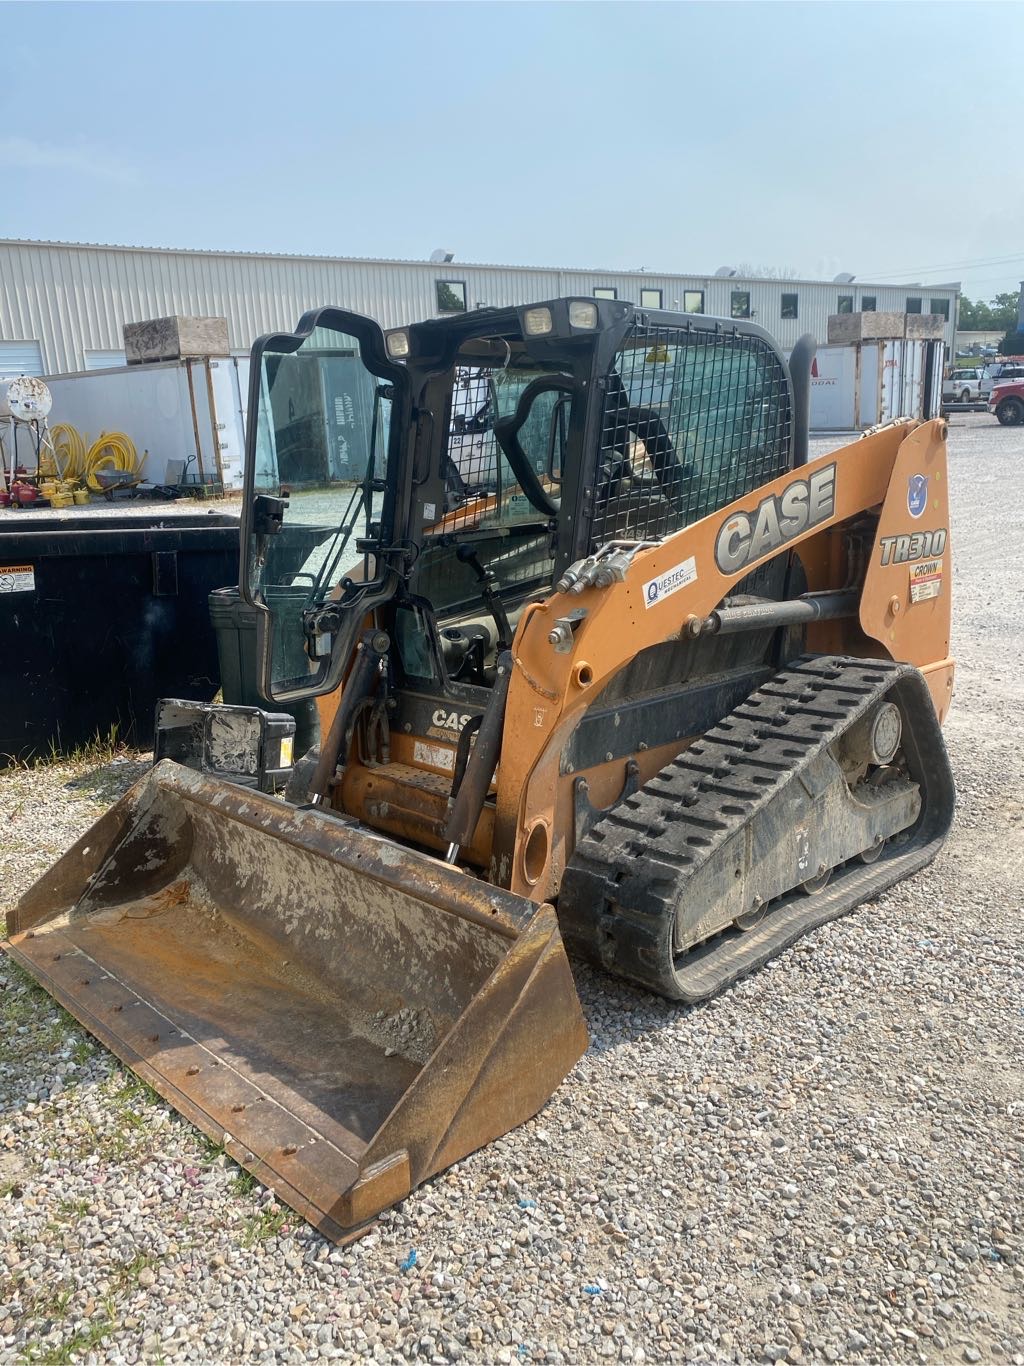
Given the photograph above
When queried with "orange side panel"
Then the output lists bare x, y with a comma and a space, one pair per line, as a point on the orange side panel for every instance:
906, 600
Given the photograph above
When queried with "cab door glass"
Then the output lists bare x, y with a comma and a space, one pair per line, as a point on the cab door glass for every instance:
321, 442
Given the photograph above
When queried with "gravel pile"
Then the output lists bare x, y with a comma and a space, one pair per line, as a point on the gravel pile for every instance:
823, 1165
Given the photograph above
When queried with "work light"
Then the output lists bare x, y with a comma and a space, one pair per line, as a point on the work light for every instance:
398, 344
537, 322
582, 314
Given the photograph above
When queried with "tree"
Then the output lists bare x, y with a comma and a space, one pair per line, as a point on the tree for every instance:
998, 313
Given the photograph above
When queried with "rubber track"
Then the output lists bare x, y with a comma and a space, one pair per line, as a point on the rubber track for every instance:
619, 896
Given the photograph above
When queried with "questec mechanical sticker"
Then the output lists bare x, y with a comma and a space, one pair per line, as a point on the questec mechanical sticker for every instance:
655, 590
17, 578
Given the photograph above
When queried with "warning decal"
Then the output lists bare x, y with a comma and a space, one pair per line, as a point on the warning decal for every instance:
434, 755
925, 580
17, 578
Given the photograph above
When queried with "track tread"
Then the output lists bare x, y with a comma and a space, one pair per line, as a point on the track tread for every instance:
709, 792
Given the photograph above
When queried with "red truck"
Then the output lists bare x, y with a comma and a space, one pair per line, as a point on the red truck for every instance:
1006, 400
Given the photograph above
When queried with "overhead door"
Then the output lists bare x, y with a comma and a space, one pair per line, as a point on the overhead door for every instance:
20, 358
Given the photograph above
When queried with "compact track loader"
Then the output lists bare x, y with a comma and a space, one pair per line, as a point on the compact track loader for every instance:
585, 628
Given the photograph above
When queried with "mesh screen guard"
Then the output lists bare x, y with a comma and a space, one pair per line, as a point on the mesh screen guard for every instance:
693, 419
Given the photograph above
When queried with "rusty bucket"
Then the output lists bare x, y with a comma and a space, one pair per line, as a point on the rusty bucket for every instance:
346, 1016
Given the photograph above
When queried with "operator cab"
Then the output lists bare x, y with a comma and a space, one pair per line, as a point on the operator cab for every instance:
444, 475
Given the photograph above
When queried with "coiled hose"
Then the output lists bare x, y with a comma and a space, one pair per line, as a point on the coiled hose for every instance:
68, 450
110, 451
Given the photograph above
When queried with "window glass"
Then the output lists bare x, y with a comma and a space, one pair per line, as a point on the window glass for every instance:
913, 305
691, 422
845, 304
606, 293
940, 306
740, 303
868, 303
693, 301
789, 306
650, 298
451, 296
483, 494
321, 441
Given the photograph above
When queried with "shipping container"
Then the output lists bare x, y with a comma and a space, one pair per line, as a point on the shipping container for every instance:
859, 386
190, 411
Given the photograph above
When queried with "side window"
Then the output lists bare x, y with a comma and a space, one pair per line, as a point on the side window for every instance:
606, 293
693, 301
845, 304
692, 421
940, 306
913, 305
789, 306
868, 303
479, 475
740, 304
451, 296
650, 298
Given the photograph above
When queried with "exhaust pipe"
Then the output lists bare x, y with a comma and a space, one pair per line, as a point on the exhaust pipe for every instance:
801, 359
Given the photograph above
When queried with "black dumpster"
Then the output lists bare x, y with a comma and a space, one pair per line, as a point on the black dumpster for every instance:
99, 617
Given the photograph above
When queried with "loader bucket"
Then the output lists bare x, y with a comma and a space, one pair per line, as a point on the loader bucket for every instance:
345, 1015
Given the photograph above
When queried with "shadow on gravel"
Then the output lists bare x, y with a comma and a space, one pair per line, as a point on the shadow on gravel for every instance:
110, 780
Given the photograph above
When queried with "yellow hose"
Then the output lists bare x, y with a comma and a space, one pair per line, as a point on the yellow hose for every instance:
113, 451
69, 450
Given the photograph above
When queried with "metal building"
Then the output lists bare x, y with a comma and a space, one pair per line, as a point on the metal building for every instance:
63, 304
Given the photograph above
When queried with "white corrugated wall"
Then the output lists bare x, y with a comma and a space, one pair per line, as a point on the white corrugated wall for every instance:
73, 299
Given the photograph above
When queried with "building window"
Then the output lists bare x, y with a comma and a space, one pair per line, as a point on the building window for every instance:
939, 306
606, 293
789, 306
451, 296
693, 301
845, 303
106, 360
913, 305
868, 303
650, 298
740, 304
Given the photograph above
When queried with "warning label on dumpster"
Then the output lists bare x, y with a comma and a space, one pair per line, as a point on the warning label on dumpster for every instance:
17, 578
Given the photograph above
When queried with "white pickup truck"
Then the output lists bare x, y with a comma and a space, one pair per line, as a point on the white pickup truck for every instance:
1000, 371
962, 386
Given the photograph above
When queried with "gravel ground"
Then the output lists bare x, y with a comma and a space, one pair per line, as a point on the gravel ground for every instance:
823, 1165
124, 507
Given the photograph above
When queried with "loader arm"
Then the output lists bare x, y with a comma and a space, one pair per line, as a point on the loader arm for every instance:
551, 689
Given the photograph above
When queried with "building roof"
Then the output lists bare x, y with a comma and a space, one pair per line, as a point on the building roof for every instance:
455, 266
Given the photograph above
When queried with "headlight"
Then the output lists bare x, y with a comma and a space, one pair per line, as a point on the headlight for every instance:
537, 322
398, 345
582, 314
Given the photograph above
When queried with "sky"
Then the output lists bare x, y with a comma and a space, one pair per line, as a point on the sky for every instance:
804, 138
